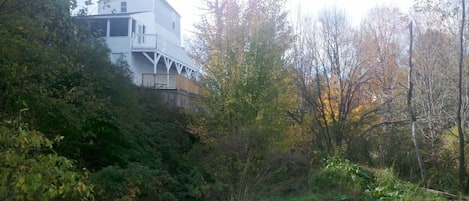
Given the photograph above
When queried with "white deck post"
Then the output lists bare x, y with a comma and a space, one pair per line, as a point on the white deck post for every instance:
155, 61
108, 28
130, 27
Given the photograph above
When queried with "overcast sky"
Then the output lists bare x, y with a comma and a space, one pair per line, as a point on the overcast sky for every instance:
190, 9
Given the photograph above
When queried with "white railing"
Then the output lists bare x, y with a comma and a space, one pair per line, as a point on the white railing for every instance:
169, 49
144, 41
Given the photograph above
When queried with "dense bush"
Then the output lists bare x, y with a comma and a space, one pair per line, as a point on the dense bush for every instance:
343, 180
30, 170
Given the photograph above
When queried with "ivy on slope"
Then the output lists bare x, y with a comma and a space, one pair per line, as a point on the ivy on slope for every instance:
343, 180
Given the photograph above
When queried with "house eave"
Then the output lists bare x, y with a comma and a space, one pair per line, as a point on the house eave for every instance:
114, 15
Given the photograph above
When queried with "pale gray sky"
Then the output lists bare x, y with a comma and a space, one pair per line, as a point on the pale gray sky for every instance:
189, 9
190, 13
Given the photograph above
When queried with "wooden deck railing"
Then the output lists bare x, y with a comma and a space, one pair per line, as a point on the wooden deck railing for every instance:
170, 81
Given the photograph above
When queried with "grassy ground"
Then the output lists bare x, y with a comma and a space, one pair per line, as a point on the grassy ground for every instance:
342, 180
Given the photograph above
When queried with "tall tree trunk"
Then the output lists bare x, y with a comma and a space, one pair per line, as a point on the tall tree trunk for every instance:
462, 162
410, 108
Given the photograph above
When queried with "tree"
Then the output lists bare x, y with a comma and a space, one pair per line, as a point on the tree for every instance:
435, 62
67, 82
332, 83
449, 20
459, 120
247, 81
410, 108
382, 44
341, 72
248, 93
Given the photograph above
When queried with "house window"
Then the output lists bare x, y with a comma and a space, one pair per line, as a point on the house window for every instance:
119, 27
141, 32
98, 27
134, 24
173, 19
123, 6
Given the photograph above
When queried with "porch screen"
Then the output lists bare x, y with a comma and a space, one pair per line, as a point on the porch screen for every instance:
98, 27
119, 27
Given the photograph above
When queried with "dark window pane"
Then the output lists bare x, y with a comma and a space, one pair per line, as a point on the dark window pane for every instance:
123, 6
119, 27
98, 27
134, 23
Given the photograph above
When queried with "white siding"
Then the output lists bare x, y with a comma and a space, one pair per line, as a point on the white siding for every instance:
139, 64
119, 44
139, 5
147, 20
107, 7
165, 16
162, 26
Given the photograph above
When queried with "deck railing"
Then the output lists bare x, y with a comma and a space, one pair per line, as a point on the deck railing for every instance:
169, 81
144, 42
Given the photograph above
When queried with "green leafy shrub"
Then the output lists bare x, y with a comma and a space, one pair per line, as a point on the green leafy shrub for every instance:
343, 180
135, 182
31, 171
389, 187
244, 165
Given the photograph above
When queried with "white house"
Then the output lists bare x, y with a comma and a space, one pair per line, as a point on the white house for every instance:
147, 34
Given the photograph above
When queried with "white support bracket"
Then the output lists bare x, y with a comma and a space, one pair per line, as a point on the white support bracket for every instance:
168, 63
179, 68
